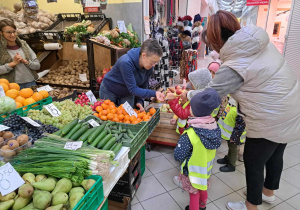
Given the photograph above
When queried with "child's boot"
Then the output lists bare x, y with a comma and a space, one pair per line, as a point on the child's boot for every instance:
188, 208
223, 160
227, 168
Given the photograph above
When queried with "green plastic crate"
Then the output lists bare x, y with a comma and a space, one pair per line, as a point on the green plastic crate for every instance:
153, 122
143, 159
105, 205
93, 197
23, 111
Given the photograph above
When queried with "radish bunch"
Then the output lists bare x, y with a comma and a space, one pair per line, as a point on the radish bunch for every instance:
98, 103
82, 99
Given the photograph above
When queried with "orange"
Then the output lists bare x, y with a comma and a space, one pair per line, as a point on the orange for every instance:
4, 86
135, 122
145, 117
127, 121
110, 116
14, 86
114, 111
141, 115
124, 112
28, 101
107, 101
103, 117
99, 108
20, 99
12, 93
132, 118
152, 111
119, 111
27, 92
96, 114
111, 106
127, 117
18, 105
104, 106
112, 103
121, 117
104, 112
5, 81
116, 119
44, 93
37, 96
139, 119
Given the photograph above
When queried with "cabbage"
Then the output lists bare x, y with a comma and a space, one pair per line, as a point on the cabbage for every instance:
7, 104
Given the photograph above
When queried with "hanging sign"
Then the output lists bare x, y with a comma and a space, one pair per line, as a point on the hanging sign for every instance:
3, 127
121, 26
129, 109
2, 93
30, 121
73, 145
10, 180
257, 2
53, 110
46, 87
91, 96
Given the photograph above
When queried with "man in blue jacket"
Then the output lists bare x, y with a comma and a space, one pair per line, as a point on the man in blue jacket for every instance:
130, 75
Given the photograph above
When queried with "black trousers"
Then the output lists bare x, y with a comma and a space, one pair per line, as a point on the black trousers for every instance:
260, 153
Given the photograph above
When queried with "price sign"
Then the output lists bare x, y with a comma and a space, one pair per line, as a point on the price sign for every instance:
83, 77
121, 26
129, 109
31, 3
73, 145
93, 123
10, 180
53, 110
2, 93
91, 96
30, 121
3, 127
46, 87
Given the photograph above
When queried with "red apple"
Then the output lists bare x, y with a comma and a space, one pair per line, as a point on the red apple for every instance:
177, 87
99, 80
178, 92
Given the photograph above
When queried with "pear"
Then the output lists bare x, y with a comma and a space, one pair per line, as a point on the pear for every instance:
42, 200
30, 207
88, 183
59, 198
74, 199
21, 202
57, 207
7, 197
76, 189
63, 185
76, 184
6, 204
29, 178
40, 177
25, 191
45, 185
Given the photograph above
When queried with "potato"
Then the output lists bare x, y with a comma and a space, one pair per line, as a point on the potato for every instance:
7, 135
22, 139
13, 144
1, 133
7, 153
1, 140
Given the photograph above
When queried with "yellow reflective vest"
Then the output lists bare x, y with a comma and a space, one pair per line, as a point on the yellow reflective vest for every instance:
181, 123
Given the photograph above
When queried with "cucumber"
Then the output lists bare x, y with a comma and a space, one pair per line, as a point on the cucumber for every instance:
115, 132
109, 144
108, 130
112, 148
129, 131
74, 129
96, 132
110, 123
58, 133
68, 127
113, 128
124, 131
117, 148
120, 128
104, 141
119, 136
85, 143
80, 132
86, 134
131, 135
99, 138
126, 136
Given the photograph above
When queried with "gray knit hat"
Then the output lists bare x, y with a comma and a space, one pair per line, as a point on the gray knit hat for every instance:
200, 78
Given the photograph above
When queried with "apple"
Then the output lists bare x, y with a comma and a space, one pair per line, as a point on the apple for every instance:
178, 91
177, 87
99, 80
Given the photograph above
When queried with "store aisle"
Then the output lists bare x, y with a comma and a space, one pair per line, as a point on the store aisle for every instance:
158, 192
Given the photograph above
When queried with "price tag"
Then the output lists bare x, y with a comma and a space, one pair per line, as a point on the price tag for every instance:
83, 77
93, 123
2, 93
73, 145
46, 87
129, 109
30, 121
31, 3
91, 96
10, 180
121, 26
3, 127
53, 110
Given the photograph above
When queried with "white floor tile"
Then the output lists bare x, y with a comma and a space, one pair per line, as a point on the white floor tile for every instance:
297, 167
217, 188
211, 206
293, 143
241, 192
137, 206
266, 206
170, 158
222, 148
241, 168
164, 149
158, 164
233, 197
294, 201
236, 180
134, 200
147, 173
290, 160
153, 153
286, 190
283, 206
216, 165
291, 175
166, 178
161, 202
149, 188
294, 150
181, 197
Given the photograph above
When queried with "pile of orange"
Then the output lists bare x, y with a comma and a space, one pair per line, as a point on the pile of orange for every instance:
109, 111
24, 96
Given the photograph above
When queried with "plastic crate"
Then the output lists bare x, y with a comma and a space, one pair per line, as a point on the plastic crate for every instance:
98, 20
143, 159
24, 110
105, 205
154, 120
93, 197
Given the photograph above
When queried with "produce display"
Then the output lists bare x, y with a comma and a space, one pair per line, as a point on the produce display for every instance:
68, 74
61, 92
104, 72
82, 100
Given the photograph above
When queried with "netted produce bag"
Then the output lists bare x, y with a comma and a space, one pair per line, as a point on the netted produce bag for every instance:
31, 10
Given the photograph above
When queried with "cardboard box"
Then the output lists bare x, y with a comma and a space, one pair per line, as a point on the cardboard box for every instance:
124, 205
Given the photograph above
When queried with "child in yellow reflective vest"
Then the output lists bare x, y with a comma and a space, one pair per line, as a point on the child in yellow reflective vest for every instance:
196, 148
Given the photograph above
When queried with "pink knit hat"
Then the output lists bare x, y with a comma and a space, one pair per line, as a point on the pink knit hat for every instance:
214, 66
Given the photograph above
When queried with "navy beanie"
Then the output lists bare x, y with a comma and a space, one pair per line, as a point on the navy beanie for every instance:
204, 103
197, 18
187, 33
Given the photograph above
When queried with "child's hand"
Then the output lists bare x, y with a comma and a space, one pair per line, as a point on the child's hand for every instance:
170, 96
183, 96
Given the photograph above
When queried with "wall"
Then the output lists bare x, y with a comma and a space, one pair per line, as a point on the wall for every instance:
283, 19
194, 7
182, 8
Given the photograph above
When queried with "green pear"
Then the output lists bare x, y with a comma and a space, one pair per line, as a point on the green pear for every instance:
6, 204
29, 178
63, 185
74, 199
45, 185
59, 198
30, 207
76, 184
7, 197
21, 202
25, 191
88, 183
42, 200
57, 207
40, 177
76, 189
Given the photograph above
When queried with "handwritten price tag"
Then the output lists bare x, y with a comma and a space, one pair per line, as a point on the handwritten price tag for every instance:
129, 109
30, 121
73, 145
3, 127
53, 110
91, 96
83, 77
10, 180
2, 93
93, 123
122, 27
46, 87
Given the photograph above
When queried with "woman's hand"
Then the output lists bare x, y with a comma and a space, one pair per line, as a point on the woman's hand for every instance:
21, 59
16, 61
160, 96
170, 96
140, 106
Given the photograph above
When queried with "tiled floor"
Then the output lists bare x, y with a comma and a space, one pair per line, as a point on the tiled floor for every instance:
158, 192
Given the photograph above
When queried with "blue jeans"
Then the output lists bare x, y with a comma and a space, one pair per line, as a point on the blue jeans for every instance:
118, 100
27, 85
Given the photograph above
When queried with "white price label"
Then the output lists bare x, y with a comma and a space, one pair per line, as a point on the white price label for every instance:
30, 121
121, 26
2, 93
83, 77
46, 87
91, 96
10, 180
93, 123
129, 109
73, 145
53, 110
3, 127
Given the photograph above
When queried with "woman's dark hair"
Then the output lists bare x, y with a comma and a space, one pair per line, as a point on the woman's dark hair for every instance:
221, 26
7, 22
151, 47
